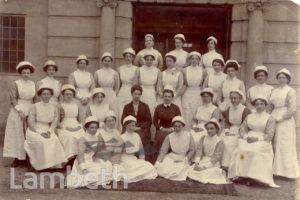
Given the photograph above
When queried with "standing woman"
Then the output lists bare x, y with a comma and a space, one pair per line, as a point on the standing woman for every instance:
128, 76
283, 102
71, 120
215, 80
175, 165
108, 79
51, 68
261, 88
208, 58
140, 57
98, 108
21, 92
194, 76
83, 81
231, 83
42, 145
171, 76
180, 54
148, 77
204, 113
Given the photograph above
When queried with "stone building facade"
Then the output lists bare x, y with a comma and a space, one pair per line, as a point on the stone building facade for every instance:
261, 32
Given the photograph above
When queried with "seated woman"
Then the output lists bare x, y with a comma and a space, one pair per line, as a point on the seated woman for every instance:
233, 118
136, 169
42, 145
98, 108
87, 163
162, 120
203, 114
113, 145
141, 112
253, 158
71, 118
175, 165
207, 168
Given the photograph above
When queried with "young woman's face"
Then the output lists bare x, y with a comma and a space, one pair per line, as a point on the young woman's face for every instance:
128, 58
25, 73
98, 98
211, 129
45, 96
149, 43
92, 128
68, 95
170, 62
282, 79
82, 64
107, 61
211, 45
149, 61
178, 43
131, 127
261, 77
167, 97
260, 105
195, 60
231, 72
178, 127
50, 71
217, 66
206, 98
136, 95
110, 122
235, 98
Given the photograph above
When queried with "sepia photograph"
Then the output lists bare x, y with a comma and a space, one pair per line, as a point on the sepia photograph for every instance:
149, 99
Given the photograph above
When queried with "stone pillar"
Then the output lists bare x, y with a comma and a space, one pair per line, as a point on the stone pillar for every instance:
107, 26
255, 40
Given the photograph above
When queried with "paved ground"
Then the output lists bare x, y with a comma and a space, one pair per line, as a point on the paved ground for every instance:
287, 191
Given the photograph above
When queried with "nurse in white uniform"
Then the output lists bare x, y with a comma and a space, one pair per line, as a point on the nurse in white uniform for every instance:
21, 92
149, 44
42, 145
50, 67
211, 54
180, 54
261, 88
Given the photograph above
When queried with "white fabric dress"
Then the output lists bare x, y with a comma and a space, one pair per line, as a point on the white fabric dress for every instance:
203, 114
231, 141
264, 90
104, 78
127, 75
215, 81
135, 169
83, 83
69, 139
181, 57
99, 111
24, 92
174, 165
228, 86
43, 152
171, 78
285, 158
208, 58
254, 160
88, 147
55, 85
191, 98
148, 81
213, 174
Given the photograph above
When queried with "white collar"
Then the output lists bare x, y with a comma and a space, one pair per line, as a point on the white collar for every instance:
237, 107
212, 51
167, 105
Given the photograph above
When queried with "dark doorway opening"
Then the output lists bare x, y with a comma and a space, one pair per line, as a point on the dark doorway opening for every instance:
196, 21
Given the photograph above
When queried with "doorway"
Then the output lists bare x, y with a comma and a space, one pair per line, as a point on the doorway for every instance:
196, 21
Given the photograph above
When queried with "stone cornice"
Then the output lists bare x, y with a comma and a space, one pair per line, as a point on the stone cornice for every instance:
107, 3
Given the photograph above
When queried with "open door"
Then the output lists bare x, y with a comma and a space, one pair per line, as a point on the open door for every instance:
196, 21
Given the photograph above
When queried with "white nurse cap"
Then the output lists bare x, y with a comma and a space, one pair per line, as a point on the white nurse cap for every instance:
129, 50
213, 39
181, 36
98, 90
82, 57
178, 119
129, 118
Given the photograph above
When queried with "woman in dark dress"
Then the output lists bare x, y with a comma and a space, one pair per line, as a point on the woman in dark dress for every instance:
163, 116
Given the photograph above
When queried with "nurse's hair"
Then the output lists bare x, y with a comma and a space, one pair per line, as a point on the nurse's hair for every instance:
89, 123
258, 71
136, 87
287, 76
